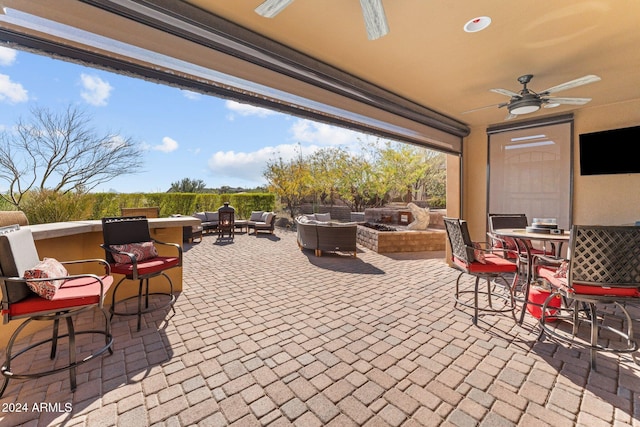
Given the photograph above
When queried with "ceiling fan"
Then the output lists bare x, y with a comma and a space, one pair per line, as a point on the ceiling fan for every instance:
375, 19
527, 101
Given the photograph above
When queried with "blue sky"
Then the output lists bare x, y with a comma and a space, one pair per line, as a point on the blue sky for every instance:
183, 134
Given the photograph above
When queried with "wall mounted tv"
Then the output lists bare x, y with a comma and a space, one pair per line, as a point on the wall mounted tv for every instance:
610, 152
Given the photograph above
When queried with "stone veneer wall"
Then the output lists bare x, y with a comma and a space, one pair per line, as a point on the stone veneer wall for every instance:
401, 241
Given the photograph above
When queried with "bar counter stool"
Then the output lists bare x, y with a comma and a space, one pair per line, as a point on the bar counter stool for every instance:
131, 251
473, 260
35, 290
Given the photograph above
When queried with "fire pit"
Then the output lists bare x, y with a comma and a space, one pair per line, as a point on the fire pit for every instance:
379, 227
384, 239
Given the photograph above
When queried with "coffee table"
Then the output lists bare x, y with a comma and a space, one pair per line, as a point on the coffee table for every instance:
240, 224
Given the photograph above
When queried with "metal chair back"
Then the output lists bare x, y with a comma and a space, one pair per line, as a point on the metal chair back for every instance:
123, 230
459, 239
605, 256
498, 221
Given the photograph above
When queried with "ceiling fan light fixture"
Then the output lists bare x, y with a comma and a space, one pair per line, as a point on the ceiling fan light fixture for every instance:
477, 24
524, 106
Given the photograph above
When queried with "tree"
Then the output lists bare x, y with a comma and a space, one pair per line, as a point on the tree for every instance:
62, 153
357, 183
290, 180
188, 185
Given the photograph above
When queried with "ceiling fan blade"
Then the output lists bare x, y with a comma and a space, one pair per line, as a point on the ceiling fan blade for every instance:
375, 19
504, 104
567, 101
506, 92
571, 84
271, 8
511, 116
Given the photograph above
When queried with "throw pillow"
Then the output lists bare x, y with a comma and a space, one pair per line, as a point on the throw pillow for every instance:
478, 253
256, 216
47, 268
562, 270
323, 216
200, 215
266, 217
142, 251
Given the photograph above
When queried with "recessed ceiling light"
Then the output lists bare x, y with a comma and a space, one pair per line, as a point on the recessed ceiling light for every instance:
477, 24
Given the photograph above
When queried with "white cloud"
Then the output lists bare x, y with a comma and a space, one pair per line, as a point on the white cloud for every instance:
96, 91
246, 110
306, 131
12, 92
168, 145
7, 55
250, 166
116, 142
191, 95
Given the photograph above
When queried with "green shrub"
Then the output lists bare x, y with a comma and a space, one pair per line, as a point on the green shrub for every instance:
45, 206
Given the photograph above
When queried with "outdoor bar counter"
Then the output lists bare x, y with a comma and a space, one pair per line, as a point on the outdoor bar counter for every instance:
73, 240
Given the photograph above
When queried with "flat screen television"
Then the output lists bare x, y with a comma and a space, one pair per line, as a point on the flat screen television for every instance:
610, 152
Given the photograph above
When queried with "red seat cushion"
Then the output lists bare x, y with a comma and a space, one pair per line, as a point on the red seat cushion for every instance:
149, 266
583, 289
492, 264
73, 293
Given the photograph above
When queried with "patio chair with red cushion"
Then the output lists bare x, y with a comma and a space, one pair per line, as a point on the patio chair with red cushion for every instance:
472, 259
43, 290
132, 252
604, 268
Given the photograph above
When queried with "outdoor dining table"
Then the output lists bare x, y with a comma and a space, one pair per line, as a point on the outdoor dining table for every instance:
521, 235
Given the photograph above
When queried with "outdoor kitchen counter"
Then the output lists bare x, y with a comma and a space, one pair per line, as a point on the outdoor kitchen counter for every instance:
71, 228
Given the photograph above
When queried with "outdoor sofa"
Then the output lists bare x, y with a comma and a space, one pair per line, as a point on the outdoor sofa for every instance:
319, 233
261, 221
209, 220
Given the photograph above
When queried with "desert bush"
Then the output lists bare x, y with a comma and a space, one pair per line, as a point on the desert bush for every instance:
45, 206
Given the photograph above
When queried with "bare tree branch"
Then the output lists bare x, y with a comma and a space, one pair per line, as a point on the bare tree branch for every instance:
62, 152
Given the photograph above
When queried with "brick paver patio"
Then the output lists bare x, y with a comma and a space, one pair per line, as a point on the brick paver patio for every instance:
267, 335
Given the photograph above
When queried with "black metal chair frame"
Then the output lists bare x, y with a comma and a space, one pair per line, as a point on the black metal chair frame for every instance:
522, 254
605, 258
463, 249
135, 230
55, 315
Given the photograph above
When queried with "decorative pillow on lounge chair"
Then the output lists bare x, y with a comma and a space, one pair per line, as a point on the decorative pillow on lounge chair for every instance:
323, 216
266, 217
48, 267
200, 215
212, 216
256, 216
142, 251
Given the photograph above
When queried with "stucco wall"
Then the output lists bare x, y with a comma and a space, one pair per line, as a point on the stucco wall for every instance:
598, 199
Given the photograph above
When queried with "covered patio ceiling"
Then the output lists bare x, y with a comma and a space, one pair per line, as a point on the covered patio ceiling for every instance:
416, 84
429, 59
